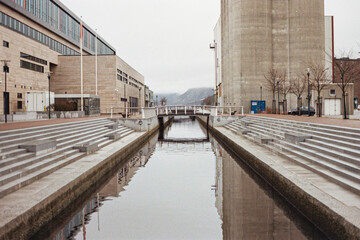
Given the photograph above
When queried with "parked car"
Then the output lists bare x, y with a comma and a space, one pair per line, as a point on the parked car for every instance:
303, 111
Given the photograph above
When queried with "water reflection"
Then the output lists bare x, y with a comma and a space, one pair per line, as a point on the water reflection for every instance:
111, 190
169, 191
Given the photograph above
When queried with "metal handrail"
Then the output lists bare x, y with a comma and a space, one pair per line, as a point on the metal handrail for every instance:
170, 109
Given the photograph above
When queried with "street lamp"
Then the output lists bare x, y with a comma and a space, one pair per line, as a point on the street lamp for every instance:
278, 86
6, 94
140, 97
49, 92
309, 96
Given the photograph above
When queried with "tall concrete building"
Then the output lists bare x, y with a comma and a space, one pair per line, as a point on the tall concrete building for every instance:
261, 34
40, 36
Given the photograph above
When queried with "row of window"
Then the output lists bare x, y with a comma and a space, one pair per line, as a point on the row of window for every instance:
31, 66
138, 82
133, 84
121, 78
32, 58
24, 29
51, 13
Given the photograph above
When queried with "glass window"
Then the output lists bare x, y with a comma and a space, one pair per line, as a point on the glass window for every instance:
19, 104
5, 44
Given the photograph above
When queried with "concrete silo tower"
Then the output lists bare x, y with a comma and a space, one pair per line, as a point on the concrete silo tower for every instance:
261, 34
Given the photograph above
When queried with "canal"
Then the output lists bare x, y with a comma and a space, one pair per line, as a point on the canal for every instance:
182, 190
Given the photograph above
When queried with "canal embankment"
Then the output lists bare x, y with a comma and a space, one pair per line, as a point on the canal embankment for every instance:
26, 210
337, 215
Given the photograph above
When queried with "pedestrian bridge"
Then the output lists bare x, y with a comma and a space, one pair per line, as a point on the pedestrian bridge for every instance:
180, 110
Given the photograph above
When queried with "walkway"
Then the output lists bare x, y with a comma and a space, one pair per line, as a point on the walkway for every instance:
323, 120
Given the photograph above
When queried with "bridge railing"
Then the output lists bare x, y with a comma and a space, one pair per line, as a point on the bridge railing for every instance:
144, 112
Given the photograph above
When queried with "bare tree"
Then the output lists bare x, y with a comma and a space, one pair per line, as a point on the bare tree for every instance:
284, 88
271, 78
163, 101
298, 85
319, 79
346, 72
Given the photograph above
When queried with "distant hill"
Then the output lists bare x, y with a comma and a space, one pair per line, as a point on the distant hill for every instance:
193, 96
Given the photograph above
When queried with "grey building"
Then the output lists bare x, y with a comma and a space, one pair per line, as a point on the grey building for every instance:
257, 35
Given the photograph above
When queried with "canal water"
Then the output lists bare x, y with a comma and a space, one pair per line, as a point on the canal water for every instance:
183, 190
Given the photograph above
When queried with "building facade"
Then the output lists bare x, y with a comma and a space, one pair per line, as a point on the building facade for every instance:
258, 35
43, 36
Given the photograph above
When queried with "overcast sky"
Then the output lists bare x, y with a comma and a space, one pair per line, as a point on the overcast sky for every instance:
168, 40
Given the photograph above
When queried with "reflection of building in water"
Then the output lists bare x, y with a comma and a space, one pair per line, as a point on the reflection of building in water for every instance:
123, 177
248, 213
218, 177
72, 227
112, 189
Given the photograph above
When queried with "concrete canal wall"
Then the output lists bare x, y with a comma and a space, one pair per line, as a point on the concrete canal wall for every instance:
335, 218
27, 210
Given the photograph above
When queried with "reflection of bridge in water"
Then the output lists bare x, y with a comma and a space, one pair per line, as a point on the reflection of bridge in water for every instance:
185, 140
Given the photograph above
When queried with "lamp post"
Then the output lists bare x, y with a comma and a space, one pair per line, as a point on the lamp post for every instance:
278, 86
309, 96
96, 63
49, 92
140, 97
6, 94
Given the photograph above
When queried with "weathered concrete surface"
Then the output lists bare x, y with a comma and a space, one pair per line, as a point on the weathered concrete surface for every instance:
25, 211
39, 146
330, 207
87, 147
295, 138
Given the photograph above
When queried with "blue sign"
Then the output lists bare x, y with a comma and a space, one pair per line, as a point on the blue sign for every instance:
258, 106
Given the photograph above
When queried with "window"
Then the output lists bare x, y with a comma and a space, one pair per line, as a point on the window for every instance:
32, 58
20, 27
332, 92
19, 105
31, 66
5, 44
19, 95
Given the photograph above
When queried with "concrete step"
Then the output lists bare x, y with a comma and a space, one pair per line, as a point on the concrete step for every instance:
338, 167
49, 134
34, 166
266, 132
315, 134
341, 149
333, 153
80, 138
337, 179
348, 132
8, 133
22, 163
11, 153
12, 160
28, 179
234, 129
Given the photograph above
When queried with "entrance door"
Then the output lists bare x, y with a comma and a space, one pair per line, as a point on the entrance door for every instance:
332, 107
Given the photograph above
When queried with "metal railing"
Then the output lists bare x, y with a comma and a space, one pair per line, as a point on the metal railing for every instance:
144, 112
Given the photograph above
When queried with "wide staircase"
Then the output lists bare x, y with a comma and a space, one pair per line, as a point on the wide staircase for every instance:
330, 151
20, 167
